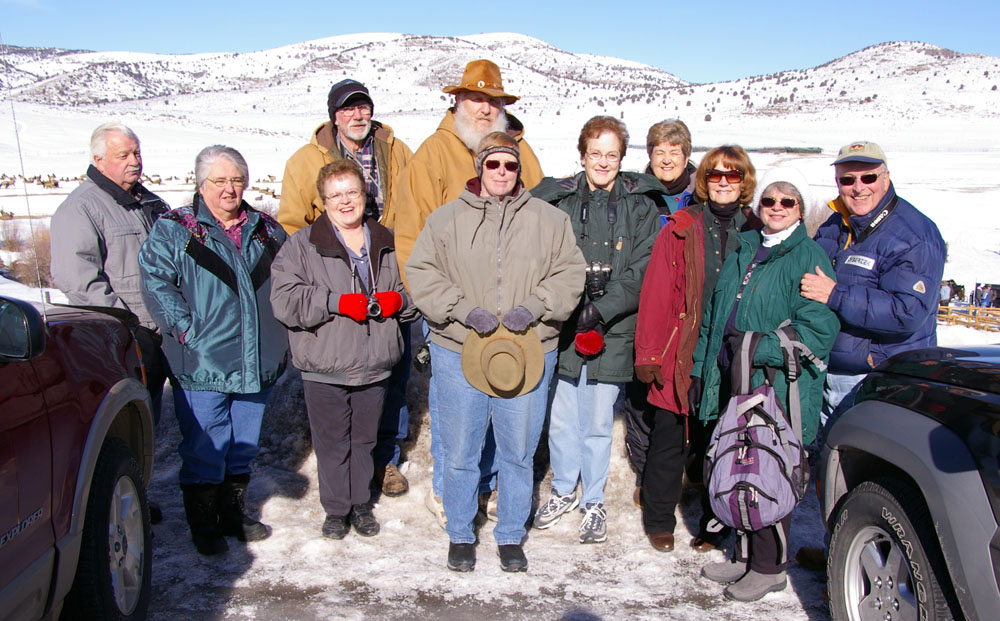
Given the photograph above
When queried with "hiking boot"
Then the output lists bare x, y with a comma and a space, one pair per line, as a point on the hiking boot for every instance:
813, 559
335, 527
200, 508
363, 520
754, 586
433, 503
664, 542
724, 572
233, 520
593, 528
461, 556
549, 513
393, 482
512, 558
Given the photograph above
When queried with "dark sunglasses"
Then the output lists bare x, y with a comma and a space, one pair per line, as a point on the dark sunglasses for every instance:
786, 202
494, 164
867, 179
715, 176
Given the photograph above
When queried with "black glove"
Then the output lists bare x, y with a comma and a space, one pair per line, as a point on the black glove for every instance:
482, 321
518, 319
588, 319
694, 395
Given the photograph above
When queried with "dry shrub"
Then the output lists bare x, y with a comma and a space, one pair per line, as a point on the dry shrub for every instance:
13, 239
38, 254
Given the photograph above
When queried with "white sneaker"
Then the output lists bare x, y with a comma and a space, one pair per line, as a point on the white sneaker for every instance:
549, 513
433, 503
593, 528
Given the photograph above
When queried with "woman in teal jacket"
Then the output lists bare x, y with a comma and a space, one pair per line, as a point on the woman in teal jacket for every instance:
206, 280
758, 289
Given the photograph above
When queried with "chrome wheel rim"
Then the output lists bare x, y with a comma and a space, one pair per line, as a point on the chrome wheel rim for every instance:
126, 545
878, 582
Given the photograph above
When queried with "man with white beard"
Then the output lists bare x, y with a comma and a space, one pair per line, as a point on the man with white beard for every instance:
352, 134
437, 174
445, 161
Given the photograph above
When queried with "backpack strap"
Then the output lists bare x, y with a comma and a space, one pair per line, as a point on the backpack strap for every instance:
742, 367
792, 348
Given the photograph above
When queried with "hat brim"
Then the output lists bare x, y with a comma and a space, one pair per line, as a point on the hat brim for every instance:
858, 158
492, 92
531, 349
345, 98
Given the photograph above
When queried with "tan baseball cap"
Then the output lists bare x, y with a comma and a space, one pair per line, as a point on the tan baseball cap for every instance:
862, 151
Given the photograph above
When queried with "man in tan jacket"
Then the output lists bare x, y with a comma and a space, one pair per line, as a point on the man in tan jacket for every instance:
350, 133
445, 161
436, 175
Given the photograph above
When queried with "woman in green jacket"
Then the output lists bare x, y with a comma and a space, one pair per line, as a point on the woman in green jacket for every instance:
757, 290
615, 221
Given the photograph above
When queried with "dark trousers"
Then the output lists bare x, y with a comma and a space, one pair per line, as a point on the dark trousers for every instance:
664, 471
767, 548
639, 417
343, 421
156, 366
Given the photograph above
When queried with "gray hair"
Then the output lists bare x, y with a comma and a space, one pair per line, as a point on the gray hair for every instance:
99, 139
204, 160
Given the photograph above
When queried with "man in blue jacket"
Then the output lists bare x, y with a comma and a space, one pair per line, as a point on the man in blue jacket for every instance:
888, 258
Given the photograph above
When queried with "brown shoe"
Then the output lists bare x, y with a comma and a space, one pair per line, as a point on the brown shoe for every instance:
637, 496
393, 482
706, 542
664, 542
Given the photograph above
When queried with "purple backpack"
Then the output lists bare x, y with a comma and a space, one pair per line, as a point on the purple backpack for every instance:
755, 464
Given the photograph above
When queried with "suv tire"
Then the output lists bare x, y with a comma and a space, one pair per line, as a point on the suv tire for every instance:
113, 574
885, 562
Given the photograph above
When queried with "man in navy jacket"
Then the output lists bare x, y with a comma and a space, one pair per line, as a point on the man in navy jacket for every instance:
888, 258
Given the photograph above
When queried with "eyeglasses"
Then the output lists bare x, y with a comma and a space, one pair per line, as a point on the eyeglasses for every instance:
339, 196
787, 203
713, 175
220, 182
597, 156
495, 164
849, 180
364, 109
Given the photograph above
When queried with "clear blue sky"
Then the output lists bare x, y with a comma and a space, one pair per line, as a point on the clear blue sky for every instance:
697, 41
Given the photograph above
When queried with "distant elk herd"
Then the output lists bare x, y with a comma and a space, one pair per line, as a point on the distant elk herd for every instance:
51, 181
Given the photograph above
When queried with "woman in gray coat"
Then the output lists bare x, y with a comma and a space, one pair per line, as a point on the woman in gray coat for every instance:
336, 286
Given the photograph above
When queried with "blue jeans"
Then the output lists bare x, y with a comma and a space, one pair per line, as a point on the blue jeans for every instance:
487, 463
395, 421
221, 432
580, 435
465, 418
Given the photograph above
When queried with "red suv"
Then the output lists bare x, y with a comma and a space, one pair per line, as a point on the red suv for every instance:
76, 450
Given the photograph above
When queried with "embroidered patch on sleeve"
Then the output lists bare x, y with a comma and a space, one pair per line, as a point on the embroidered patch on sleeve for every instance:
860, 261
919, 287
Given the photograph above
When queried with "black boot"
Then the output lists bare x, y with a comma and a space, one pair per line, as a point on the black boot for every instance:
233, 521
200, 508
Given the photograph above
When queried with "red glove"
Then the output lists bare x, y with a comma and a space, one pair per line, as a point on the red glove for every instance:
390, 301
589, 343
354, 305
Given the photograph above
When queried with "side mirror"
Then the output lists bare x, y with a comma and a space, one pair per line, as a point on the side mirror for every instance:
22, 331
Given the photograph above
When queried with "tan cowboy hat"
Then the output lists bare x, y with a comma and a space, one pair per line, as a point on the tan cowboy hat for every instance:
504, 364
482, 76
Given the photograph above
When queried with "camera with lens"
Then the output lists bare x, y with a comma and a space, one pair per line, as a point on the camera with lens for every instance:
422, 358
597, 278
374, 308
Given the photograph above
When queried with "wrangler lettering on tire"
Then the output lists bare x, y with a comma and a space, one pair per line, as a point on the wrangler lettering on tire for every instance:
885, 561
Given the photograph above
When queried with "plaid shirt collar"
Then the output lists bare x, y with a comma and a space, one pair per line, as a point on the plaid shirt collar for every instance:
365, 158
